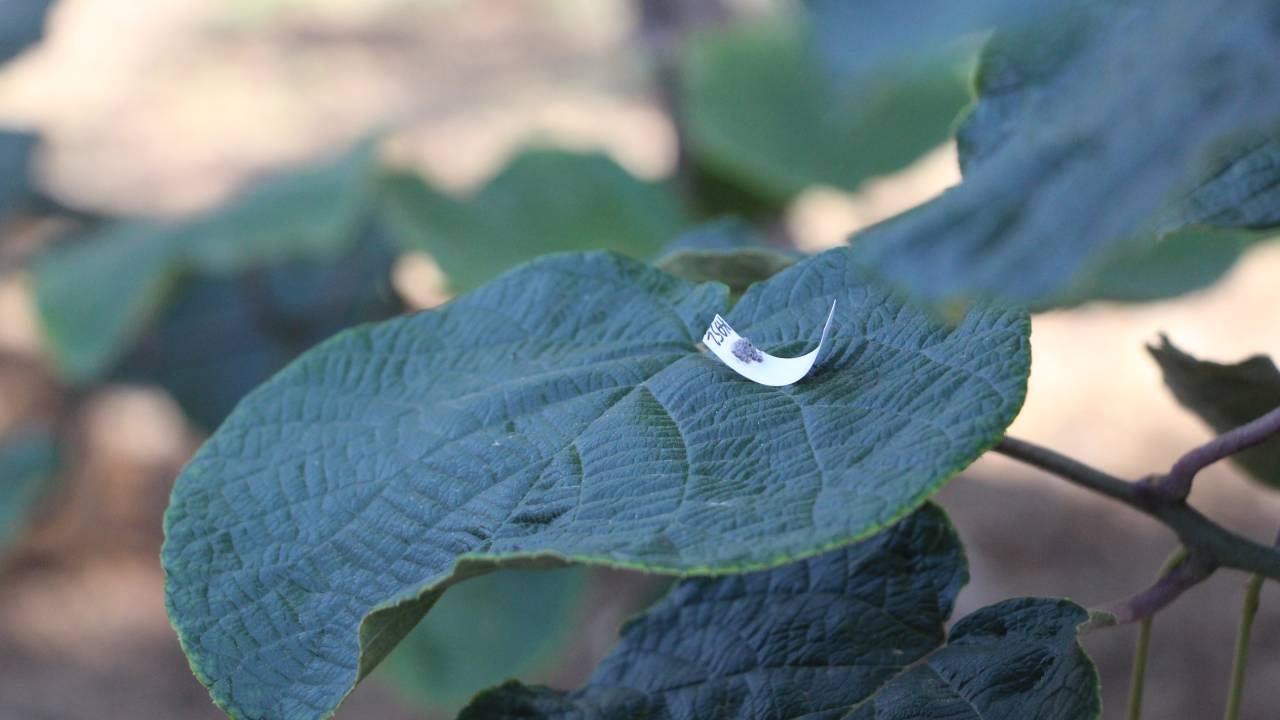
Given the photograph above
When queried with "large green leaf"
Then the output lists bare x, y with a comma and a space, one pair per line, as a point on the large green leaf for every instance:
552, 201
1225, 397
99, 293
761, 112
856, 633
21, 24
484, 631
28, 460
1090, 135
15, 170
560, 413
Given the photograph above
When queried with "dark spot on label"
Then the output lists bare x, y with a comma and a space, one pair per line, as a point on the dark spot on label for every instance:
746, 352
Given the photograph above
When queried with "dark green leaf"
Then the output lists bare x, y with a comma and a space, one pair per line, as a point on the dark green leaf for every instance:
857, 633
727, 251
99, 294
21, 24
560, 413
220, 337
15, 168
761, 111
552, 201
484, 631
1225, 397
1089, 135
28, 460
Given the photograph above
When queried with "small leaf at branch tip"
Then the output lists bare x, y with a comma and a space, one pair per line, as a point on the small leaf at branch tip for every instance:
1098, 619
1226, 396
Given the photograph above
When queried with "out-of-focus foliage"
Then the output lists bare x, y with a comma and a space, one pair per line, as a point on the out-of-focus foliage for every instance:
21, 24
1226, 396
1114, 122
763, 114
728, 251
862, 37
543, 201
314, 214
97, 294
505, 624
28, 461
218, 337
15, 170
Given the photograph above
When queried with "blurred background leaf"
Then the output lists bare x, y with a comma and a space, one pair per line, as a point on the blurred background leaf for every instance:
728, 251
21, 24
861, 37
1164, 267
543, 201
98, 293
511, 623
1082, 137
28, 461
1226, 396
15, 170
762, 114
221, 336
310, 214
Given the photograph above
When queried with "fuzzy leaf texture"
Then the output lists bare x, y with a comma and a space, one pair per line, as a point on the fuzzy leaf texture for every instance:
857, 633
559, 414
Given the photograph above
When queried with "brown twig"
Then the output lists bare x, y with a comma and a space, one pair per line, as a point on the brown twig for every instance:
1177, 484
1209, 545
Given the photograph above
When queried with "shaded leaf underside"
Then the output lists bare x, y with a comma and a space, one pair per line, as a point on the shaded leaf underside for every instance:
561, 412
1227, 396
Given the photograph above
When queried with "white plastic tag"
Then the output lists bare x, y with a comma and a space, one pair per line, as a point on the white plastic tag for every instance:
755, 365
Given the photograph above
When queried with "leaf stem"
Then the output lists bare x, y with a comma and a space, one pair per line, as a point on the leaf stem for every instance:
1138, 676
1252, 591
1177, 484
1209, 545
1252, 598
1189, 571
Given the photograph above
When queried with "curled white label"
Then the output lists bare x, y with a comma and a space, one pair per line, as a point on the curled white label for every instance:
756, 365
